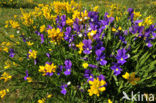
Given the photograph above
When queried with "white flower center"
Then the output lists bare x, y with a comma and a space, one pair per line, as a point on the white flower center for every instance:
80, 35
85, 18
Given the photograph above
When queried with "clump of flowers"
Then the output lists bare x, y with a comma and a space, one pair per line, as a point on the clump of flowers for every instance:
32, 54
29, 79
97, 86
3, 93
48, 69
5, 76
43, 100
55, 35
63, 87
71, 52
131, 78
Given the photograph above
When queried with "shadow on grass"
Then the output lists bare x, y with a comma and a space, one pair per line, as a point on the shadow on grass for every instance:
17, 6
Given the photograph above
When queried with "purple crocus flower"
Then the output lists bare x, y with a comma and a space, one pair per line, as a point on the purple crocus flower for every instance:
58, 22
48, 63
121, 56
153, 36
84, 58
63, 20
48, 55
57, 19
94, 16
60, 69
106, 20
49, 74
35, 61
42, 38
134, 29
101, 77
129, 48
152, 28
26, 72
76, 26
100, 30
100, 57
139, 36
126, 32
88, 75
12, 54
90, 78
103, 35
130, 13
139, 28
149, 44
87, 46
49, 27
93, 66
116, 68
117, 33
68, 65
41, 35
63, 87
67, 33
72, 45
68, 37
99, 45
94, 26
67, 72
38, 33
91, 27
24, 40
138, 21
123, 39
80, 88
72, 38
147, 35
111, 19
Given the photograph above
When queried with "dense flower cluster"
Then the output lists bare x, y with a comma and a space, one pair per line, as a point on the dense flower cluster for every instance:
3, 92
97, 85
48, 69
74, 49
5, 76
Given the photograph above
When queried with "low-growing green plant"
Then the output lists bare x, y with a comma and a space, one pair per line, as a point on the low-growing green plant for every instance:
62, 52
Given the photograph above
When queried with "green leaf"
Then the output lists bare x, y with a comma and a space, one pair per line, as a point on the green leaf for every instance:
142, 60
